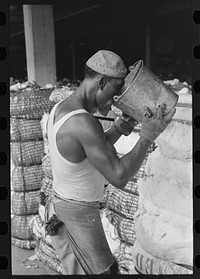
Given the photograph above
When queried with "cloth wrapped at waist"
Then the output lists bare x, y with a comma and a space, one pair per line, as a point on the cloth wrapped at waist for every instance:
52, 224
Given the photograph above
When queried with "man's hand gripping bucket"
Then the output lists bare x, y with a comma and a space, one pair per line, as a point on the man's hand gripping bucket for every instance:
144, 89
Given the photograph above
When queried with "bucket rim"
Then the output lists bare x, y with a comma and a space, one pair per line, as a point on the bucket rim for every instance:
141, 64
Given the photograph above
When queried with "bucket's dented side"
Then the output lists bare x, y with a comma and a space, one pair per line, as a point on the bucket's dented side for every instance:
144, 89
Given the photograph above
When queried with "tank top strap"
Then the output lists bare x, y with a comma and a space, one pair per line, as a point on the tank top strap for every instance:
51, 116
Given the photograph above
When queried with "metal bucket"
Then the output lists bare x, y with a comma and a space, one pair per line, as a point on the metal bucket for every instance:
144, 89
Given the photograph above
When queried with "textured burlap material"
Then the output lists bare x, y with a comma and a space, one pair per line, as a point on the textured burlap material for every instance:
27, 178
25, 203
25, 130
30, 103
27, 153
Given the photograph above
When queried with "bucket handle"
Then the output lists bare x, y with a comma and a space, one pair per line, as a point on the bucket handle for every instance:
139, 61
141, 64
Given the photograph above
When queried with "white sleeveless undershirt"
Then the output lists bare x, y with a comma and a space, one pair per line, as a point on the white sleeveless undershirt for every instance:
77, 181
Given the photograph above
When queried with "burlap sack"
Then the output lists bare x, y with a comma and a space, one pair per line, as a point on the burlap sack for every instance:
124, 257
60, 94
132, 186
24, 244
27, 153
25, 130
121, 201
47, 186
46, 166
178, 252
30, 103
38, 228
125, 227
147, 264
20, 227
48, 256
27, 178
25, 203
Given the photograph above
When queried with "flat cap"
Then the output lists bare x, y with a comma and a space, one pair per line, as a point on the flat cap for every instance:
107, 63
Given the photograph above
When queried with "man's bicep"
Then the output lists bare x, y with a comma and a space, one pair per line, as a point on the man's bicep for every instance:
102, 156
99, 151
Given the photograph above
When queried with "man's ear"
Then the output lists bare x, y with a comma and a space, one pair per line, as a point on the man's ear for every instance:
102, 82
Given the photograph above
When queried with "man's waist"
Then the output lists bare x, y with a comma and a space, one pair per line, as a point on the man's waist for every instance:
81, 202
78, 192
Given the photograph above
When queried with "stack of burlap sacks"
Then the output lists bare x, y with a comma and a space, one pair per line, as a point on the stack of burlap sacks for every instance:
121, 205
27, 106
44, 249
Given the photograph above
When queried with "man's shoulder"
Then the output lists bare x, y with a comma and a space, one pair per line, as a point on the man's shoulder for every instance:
86, 125
87, 120
82, 122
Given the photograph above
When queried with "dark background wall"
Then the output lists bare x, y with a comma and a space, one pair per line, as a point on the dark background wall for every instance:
84, 27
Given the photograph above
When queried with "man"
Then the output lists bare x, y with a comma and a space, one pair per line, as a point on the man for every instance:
83, 156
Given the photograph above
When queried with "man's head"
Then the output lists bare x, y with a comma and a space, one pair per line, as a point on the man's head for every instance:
109, 71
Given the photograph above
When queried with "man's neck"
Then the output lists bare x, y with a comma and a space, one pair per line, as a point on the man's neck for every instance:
85, 93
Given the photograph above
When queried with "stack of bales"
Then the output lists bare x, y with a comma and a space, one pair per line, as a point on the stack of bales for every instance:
44, 249
164, 229
27, 105
122, 204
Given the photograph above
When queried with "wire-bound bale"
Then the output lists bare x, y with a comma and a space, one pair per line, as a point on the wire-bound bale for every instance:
30, 103
27, 178
25, 130
25, 203
27, 153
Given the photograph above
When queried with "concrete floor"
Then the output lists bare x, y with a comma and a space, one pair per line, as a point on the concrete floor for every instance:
20, 268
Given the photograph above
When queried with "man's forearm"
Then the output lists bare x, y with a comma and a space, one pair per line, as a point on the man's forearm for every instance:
133, 160
112, 134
